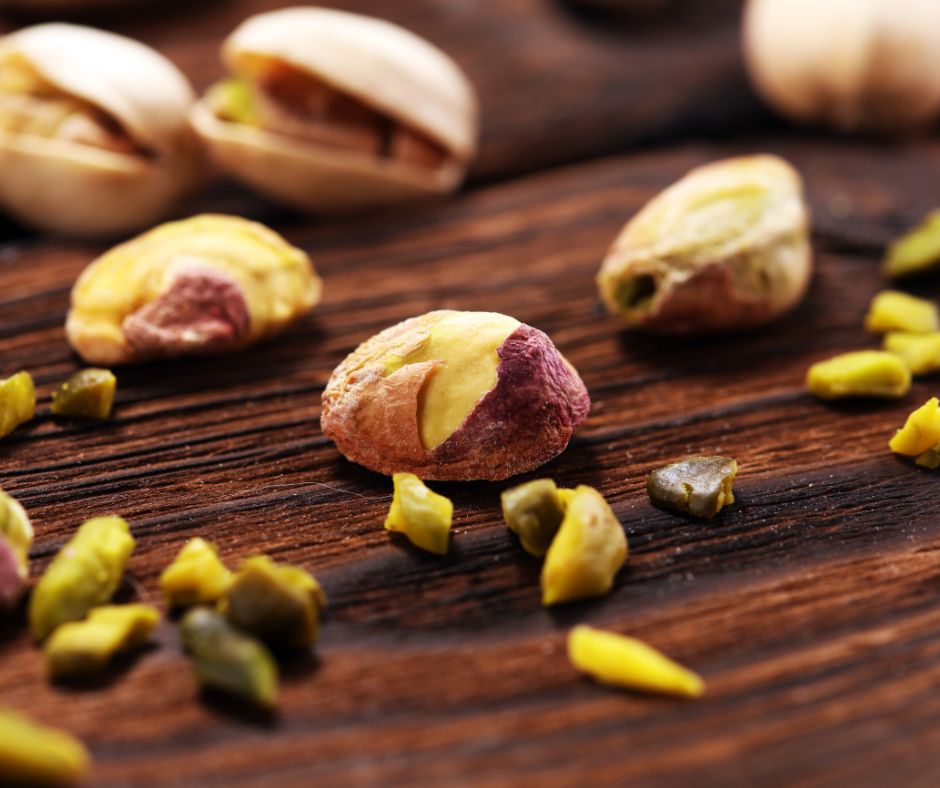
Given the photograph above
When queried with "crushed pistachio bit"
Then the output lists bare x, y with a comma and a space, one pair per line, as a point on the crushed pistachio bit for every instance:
892, 310
534, 511
88, 394
197, 575
17, 402
700, 486
921, 431
32, 754
916, 252
420, 514
234, 101
622, 661
930, 459
863, 373
921, 352
15, 526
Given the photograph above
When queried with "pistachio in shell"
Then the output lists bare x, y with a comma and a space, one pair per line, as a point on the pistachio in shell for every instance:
454, 395
333, 111
726, 248
94, 136
207, 284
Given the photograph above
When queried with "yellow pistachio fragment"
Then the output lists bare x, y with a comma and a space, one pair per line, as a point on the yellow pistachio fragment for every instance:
197, 576
920, 433
921, 352
454, 396
32, 754
85, 573
700, 486
863, 373
16, 537
629, 663
420, 514
84, 648
94, 136
331, 111
587, 552
88, 394
208, 284
17, 402
916, 252
534, 512
892, 310
725, 248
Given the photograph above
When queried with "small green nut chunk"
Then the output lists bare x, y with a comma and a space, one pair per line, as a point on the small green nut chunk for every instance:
281, 605
32, 754
917, 252
16, 536
921, 431
88, 394
197, 576
863, 373
85, 573
534, 512
621, 661
84, 648
17, 402
420, 514
892, 310
921, 352
226, 659
930, 459
700, 486
587, 552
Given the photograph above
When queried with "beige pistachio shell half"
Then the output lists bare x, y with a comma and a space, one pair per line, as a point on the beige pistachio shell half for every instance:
94, 138
336, 111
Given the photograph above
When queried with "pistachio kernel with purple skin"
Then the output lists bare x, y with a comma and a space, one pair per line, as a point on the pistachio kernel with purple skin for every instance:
454, 396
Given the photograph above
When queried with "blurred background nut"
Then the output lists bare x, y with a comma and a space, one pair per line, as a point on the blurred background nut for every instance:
208, 284
725, 248
331, 111
855, 65
93, 132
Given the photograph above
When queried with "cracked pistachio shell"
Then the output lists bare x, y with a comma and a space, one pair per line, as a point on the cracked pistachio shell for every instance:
454, 396
726, 248
16, 537
378, 65
59, 184
208, 284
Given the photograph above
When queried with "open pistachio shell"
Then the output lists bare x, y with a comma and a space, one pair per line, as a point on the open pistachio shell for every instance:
335, 111
94, 138
207, 284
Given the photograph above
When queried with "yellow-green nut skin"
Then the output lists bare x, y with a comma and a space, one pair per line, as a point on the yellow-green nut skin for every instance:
700, 486
17, 402
208, 284
281, 605
454, 396
85, 573
724, 249
16, 537
534, 512
917, 252
197, 576
84, 648
420, 514
863, 373
88, 394
587, 552
228, 660
33, 755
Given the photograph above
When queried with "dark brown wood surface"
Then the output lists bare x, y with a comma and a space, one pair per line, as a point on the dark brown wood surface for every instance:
810, 607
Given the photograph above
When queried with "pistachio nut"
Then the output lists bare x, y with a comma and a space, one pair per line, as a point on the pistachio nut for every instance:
332, 111
94, 138
725, 248
16, 537
202, 285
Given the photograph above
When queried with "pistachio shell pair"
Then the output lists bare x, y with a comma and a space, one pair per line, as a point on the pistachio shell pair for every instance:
333, 111
94, 138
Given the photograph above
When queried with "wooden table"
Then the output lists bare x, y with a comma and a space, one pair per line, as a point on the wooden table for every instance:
810, 607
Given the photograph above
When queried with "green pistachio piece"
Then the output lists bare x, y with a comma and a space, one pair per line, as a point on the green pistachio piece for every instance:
700, 486
862, 373
234, 101
930, 458
17, 402
197, 576
32, 754
534, 511
916, 252
88, 394
420, 514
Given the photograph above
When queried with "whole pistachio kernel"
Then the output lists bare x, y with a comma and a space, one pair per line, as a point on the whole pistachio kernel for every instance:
863, 373
700, 486
534, 512
420, 514
88, 394
725, 248
454, 396
17, 402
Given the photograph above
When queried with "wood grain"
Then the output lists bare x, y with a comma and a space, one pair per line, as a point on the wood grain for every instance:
809, 607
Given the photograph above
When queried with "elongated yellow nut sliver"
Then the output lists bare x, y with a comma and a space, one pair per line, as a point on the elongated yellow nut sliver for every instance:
921, 432
17, 402
420, 514
916, 252
587, 552
864, 373
892, 310
921, 352
32, 754
626, 662
197, 575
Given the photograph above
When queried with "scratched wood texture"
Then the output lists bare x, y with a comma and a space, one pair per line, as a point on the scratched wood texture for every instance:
810, 607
